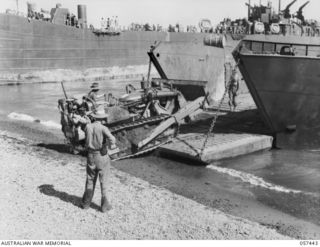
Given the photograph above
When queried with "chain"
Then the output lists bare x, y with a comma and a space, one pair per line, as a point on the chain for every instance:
215, 118
178, 129
149, 71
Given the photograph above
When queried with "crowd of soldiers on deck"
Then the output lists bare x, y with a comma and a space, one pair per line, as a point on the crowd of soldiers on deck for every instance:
240, 26
145, 27
42, 15
158, 28
72, 20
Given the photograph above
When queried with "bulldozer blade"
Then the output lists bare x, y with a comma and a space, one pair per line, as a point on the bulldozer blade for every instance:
176, 118
190, 89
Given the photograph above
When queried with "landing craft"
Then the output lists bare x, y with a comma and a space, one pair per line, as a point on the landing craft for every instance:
282, 74
281, 71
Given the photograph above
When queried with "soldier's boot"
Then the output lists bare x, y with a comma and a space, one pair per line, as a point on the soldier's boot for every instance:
105, 205
86, 199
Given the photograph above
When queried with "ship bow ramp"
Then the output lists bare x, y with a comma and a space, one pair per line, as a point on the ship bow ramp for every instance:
194, 62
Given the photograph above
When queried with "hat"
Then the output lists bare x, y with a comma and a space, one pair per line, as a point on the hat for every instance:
95, 85
99, 113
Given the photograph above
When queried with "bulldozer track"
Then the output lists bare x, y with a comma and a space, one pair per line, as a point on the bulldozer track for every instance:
148, 149
139, 123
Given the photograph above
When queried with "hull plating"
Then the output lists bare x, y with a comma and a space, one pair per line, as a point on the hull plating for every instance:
285, 88
39, 45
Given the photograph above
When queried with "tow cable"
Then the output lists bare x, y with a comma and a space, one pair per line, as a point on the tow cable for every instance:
215, 117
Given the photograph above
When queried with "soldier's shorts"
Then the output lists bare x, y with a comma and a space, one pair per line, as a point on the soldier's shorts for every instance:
98, 166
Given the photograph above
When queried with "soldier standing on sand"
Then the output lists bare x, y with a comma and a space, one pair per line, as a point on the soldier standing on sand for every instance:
233, 88
98, 160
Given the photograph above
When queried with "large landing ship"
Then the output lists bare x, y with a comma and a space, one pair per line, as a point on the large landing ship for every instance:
55, 41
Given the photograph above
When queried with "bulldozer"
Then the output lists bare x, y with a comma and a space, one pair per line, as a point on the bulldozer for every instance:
141, 119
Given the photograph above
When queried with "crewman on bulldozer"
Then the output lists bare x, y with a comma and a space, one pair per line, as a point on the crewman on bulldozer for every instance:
98, 160
93, 94
79, 120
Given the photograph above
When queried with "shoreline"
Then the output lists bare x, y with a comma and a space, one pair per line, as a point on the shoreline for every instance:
43, 187
68, 75
90, 79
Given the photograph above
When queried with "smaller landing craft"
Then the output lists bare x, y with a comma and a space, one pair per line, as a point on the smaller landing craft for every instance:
142, 119
282, 74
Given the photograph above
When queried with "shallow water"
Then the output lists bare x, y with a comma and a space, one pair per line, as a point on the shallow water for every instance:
40, 101
293, 169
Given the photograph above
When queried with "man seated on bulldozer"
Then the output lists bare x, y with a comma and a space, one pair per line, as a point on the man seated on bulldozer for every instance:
79, 120
79, 117
93, 94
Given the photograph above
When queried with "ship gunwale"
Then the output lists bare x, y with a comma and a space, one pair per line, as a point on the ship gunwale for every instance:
279, 56
289, 40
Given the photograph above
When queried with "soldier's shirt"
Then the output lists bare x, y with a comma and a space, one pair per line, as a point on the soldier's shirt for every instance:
95, 134
93, 95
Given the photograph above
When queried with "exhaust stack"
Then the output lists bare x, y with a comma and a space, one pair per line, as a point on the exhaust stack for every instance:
82, 16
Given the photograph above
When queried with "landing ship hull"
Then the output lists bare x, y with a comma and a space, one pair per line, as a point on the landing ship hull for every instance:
34, 45
286, 88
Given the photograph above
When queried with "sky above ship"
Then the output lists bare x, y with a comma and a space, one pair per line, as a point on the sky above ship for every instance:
162, 12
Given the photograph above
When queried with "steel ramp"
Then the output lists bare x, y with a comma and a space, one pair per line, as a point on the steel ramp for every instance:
219, 146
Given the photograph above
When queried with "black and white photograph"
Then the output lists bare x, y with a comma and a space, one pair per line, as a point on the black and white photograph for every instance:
159, 120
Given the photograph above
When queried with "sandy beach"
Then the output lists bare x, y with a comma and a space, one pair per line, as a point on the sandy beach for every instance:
41, 195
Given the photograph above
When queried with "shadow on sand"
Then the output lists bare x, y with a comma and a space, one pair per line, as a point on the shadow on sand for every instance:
49, 190
59, 147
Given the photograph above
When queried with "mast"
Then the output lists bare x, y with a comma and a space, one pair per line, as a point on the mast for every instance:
279, 6
260, 10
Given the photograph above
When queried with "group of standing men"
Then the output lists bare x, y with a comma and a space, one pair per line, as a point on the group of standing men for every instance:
72, 20
98, 140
